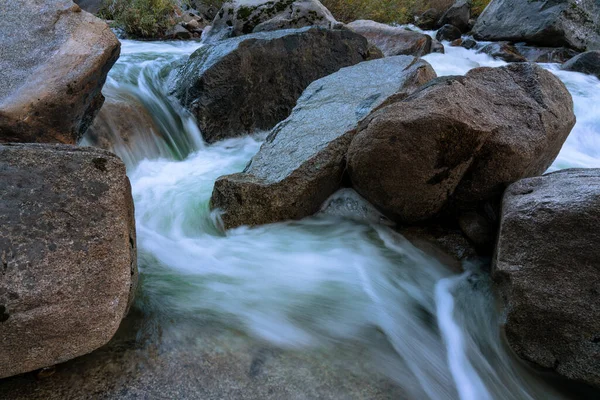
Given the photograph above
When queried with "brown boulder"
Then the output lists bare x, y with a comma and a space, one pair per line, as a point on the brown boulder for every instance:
460, 140
52, 68
68, 253
393, 41
546, 267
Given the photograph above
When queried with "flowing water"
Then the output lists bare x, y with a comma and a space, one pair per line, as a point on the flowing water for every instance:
320, 308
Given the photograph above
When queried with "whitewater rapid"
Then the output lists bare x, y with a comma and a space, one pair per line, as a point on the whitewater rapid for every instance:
316, 283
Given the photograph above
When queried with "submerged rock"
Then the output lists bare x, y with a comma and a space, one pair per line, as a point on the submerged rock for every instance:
546, 266
587, 63
570, 23
250, 83
242, 17
52, 68
458, 15
68, 251
460, 140
302, 161
393, 41
503, 51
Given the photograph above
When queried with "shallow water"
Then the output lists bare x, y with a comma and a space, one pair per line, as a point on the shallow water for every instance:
320, 308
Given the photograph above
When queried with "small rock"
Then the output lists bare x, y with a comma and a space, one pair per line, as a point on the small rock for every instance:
392, 41
448, 32
456, 43
469, 44
503, 51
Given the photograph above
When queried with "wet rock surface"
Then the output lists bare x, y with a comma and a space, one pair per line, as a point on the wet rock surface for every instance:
455, 142
242, 17
68, 252
302, 161
250, 83
569, 23
548, 272
545, 54
52, 68
587, 63
448, 32
393, 41
503, 51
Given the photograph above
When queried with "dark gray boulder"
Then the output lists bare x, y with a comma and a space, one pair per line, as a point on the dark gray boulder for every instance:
252, 82
54, 59
391, 40
242, 17
468, 44
552, 23
448, 32
429, 19
503, 51
302, 161
458, 15
68, 252
459, 141
587, 63
546, 267
546, 54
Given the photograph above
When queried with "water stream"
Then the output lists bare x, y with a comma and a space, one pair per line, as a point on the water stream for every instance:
375, 316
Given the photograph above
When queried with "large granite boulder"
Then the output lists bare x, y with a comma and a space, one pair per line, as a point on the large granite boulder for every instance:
391, 40
68, 253
302, 161
546, 266
241, 17
458, 15
53, 62
460, 140
587, 63
553, 23
251, 83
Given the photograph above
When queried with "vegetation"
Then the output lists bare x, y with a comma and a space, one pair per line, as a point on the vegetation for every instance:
141, 18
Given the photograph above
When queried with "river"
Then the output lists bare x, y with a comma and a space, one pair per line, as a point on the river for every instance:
321, 308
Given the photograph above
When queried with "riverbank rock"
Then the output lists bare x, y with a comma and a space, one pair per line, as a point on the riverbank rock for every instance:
460, 140
302, 161
240, 17
67, 246
546, 266
429, 19
587, 63
545, 54
52, 68
503, 51
570, 23
448, 32
393, 41
458, 15
250, 83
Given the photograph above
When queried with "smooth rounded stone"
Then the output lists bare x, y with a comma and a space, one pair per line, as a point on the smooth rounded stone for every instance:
68, 249
552, 23
460, 140
247, 84
448, 32
468, 44
429, 19
458, 15
503, 51
437, 47
242, 17
545, 54
546, 267
587, 63
302, 161
392, 41
346, 203
52, 69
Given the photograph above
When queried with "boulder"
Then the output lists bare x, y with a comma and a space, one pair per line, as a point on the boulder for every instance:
52, 68
241, 17
546, 267
468, 44
91, 6
448, 32
302, 161
437, 47
553, 23
429, 19
180, 32
458, 15
250, 83
545, 54
460, 140
68, 251
393, 41
202, 7
587, 63
503, 51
